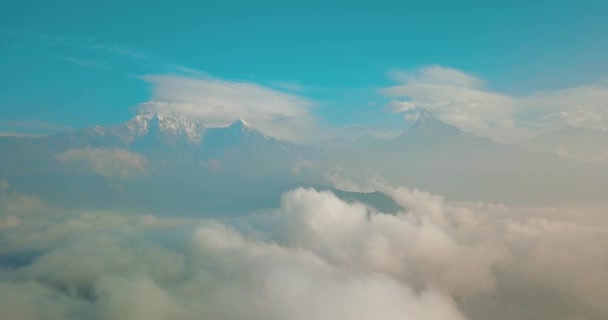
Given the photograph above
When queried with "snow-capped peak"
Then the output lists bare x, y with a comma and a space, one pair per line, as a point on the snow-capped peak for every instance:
168, 124
242, 124
428, 125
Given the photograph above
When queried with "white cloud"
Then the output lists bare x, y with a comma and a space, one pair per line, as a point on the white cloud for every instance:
82, 62
400, 106
584, 106
406, 247
439, 75
463, 100
134, 298
218, 103
108, 163
31, 300
315, 257
15, 204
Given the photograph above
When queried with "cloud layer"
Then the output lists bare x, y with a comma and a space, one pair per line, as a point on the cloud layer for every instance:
315, 257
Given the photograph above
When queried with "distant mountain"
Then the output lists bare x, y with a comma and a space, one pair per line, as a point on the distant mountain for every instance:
430, 131
174, 157
170, 128
163, 135
427, 136
428, 125
172, 163
440, 157
577, 143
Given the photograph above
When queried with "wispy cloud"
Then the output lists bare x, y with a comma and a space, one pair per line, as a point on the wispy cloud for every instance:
82, 48
82, 62
89, 43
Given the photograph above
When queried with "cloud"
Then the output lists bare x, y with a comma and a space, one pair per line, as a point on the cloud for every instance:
32, 300
439, 75
70, 41
82, 62
223, 274
15, 204
457, 98
109, 163
315, 257
583, 106
287, 282
406, 247
218, 103
396, 106
463, 100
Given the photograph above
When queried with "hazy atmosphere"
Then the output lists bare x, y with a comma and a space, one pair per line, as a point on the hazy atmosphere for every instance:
269, 160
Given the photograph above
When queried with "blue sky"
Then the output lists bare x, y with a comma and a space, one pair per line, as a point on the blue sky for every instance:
69, 64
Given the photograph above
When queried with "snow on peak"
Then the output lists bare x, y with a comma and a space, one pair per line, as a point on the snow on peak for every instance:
427, 124
169, 124
244, 123
243, 126
240, 123
178, 127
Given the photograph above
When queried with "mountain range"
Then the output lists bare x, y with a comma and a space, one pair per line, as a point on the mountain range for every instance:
437, 156
153, 159
175, 163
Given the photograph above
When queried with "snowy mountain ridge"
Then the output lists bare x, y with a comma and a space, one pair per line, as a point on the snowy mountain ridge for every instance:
172, 127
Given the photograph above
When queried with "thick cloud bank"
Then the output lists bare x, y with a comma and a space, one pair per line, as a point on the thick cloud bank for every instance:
315, 257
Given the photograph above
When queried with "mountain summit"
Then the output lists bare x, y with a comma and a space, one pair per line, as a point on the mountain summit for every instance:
168, 126
427, 126
241, 124
151, 129
243, 127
